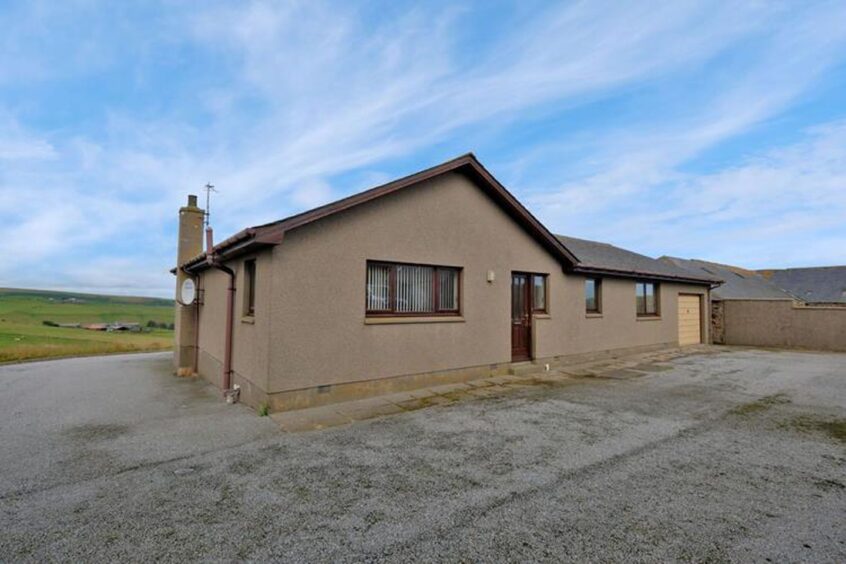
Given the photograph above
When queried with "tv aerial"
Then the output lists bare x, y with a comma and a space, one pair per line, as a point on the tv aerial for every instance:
209, 188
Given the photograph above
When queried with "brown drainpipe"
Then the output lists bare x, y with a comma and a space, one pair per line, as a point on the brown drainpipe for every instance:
230, 304
197, 305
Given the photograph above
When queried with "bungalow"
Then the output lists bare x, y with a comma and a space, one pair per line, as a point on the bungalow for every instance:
441, 276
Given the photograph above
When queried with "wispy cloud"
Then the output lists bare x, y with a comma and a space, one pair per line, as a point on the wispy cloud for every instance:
639, 171
287, 105
785, 206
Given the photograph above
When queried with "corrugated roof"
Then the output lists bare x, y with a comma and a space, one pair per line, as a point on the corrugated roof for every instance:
607, 257
739, 283
824, 284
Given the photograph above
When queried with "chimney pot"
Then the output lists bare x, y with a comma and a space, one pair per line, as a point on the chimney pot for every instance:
192, 200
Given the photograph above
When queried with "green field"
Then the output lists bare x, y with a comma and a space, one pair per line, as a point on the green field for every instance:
23, 334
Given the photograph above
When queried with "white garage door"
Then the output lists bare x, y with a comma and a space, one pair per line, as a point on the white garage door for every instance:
689, 320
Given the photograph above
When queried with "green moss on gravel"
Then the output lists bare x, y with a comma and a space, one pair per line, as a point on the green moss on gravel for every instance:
760, 405
834, 428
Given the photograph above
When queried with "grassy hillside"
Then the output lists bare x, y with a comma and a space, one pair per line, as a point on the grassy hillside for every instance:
23, 334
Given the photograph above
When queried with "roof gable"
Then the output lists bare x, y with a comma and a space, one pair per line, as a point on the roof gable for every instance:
588, 257
273, 233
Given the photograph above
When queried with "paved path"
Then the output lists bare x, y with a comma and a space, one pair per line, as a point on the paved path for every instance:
736, 456
621, 368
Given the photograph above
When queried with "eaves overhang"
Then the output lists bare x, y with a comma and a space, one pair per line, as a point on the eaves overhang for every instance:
263, 236
645, 275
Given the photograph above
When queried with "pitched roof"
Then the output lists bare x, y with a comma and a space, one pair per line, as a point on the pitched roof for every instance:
739, 283
273, 233
595, 256
584, 256
825, 284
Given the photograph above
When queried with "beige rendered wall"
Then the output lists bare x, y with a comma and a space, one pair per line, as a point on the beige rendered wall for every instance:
251, 335
569, 330
782, 323
315, 311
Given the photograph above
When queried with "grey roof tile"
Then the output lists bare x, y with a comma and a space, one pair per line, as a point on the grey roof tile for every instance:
603, 256
738, 282
825, 284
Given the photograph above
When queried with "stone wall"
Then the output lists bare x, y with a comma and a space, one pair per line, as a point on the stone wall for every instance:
718, 328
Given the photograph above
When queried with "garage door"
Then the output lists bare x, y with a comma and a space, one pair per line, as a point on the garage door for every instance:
689, 316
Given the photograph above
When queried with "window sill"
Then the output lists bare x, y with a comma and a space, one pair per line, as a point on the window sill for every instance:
541, 316
388, 320
649, 318
248, 319
593, 315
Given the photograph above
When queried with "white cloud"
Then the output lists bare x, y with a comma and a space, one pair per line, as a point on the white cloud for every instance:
637, 181
779, 208
308, 90
18, 144
345, 97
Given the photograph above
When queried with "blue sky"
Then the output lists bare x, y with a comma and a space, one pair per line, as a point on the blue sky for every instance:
696, 129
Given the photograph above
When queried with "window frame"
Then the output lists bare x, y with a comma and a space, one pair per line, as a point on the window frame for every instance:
250, 288
656, 289
597, 295
392, 289
545, 278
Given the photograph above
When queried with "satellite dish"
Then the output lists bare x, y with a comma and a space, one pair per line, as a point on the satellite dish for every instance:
187, 292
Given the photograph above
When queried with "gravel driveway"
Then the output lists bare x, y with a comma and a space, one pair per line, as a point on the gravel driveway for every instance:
738, 455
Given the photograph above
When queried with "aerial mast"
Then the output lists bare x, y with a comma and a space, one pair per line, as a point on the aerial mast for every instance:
209, 188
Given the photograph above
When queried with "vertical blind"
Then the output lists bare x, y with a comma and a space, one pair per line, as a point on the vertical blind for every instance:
414, 289
448, 295
410, 289
378, 287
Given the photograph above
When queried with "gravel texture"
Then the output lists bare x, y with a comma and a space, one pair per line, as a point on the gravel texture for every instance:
735, 456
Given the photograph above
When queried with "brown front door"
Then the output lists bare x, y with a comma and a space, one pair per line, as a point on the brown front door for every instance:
521, 318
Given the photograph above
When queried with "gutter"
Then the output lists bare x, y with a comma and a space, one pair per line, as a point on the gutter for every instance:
632, 274
240, 243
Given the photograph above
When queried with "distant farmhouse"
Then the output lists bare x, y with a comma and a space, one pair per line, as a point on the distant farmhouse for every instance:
117, 326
